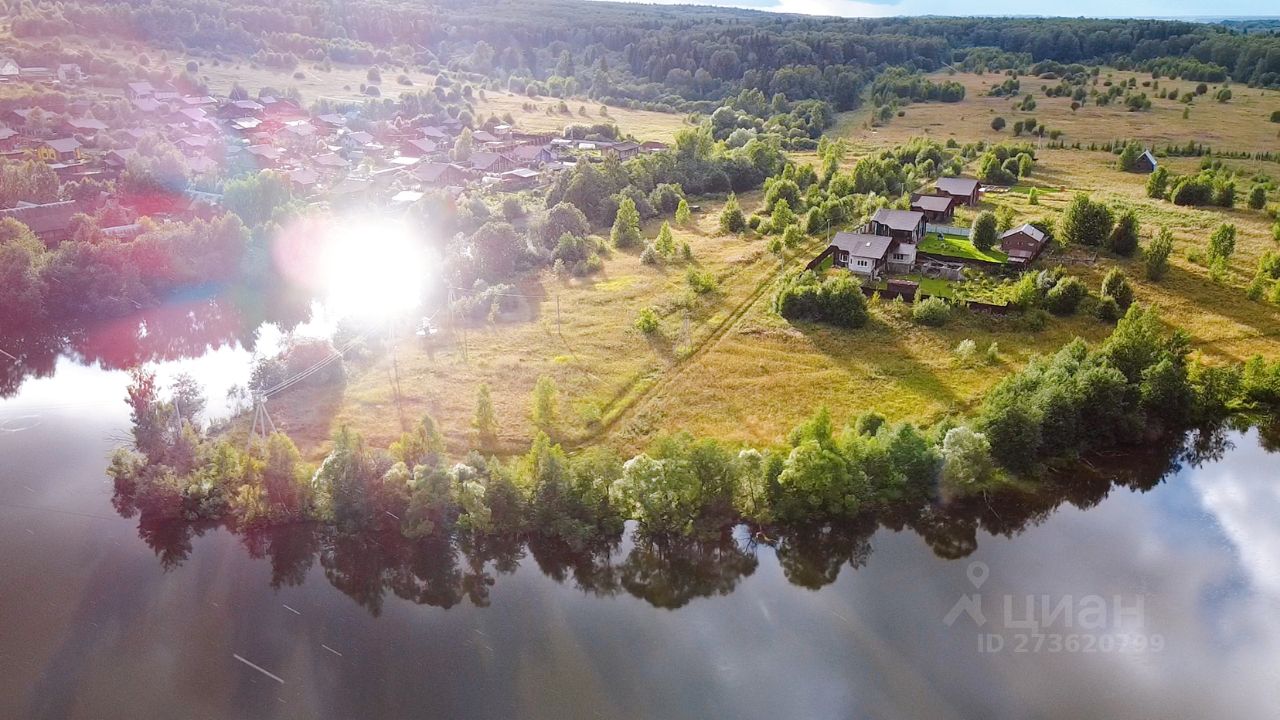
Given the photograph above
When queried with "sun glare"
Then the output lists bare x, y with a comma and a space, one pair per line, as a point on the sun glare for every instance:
372, 269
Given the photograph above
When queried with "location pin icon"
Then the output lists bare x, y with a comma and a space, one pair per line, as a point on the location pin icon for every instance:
978, 573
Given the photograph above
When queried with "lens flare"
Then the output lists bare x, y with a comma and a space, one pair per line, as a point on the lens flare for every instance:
371, 269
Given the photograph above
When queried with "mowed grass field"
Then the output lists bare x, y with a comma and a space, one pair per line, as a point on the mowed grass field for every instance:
1243, 123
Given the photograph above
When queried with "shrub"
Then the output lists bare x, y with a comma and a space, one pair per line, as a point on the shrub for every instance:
998, 123
626, 225
650, 256
1033, 197
1086, 222
1065, 296
1129, 156
966, 351
1257, 197
1123, 239
1116, 287
700, 281
1275, 116
1222, 244
793, 236
837, 300
666, 198
983, 233
1192, 191
933, 312
683, 215
1158, 183
731, 218
648, 321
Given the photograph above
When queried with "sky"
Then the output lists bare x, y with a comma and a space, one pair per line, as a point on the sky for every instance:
1073, 8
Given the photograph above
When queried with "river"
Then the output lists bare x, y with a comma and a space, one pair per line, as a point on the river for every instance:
1156, 598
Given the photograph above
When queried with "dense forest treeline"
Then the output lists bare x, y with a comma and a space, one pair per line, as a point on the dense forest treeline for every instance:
652, 54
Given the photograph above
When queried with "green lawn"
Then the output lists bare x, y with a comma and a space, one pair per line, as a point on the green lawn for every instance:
959, 247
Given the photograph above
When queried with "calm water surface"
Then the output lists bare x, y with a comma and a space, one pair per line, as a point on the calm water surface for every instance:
94, 623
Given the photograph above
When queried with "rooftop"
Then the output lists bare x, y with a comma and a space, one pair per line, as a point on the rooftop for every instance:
873, 247
898, 219
956, 185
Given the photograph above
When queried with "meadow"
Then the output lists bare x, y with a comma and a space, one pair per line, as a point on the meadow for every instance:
725, 364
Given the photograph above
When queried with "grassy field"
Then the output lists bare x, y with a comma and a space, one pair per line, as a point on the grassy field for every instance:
764, 375
959, 247
1240, 124
735, 370
580, 332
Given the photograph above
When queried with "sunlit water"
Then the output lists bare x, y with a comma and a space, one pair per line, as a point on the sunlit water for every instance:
94, 625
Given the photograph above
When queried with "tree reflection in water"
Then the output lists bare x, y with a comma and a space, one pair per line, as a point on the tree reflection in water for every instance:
665, 572
186, 327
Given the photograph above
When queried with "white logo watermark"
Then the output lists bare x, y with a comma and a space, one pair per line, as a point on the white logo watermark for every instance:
1025, 623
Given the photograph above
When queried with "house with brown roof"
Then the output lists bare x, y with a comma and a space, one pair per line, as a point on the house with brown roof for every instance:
51, 222
331, 161
960, 190
1023, 244
419, 147
436, 174
304, 179
652, 146
60, 150
135, 90
8, 139
488, 162
936, 208
84, 125
531, 156
147, 104
623, 150
266, 156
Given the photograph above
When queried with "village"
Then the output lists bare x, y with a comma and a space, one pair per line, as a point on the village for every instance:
339, 158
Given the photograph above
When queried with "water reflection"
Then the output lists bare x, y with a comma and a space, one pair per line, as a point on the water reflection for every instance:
183, 328
671, 572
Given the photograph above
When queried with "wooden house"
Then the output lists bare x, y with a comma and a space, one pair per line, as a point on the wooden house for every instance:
964, 191
936, 208
862, 254
436, 174
532, 156
135, 90
488, 162
419, 147
623, 150
1146, 163
902, 225
51, 222
8, 139
1023, 244
60, 150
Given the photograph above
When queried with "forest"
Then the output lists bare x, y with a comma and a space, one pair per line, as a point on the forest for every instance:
683, 58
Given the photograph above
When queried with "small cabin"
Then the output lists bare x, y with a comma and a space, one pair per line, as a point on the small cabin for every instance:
1023, 244
962, 191
1146, 163
936, 208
